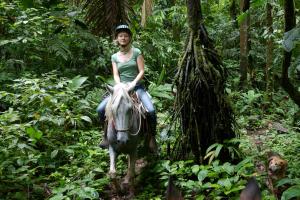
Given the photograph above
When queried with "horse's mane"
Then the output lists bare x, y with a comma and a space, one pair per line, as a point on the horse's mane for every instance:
120, 91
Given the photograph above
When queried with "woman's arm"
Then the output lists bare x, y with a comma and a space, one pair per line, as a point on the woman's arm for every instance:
141, 68
116, 73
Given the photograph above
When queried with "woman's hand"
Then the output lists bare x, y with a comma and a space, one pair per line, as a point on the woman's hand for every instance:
131, 85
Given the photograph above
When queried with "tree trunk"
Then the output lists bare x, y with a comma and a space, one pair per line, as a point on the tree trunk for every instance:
269, 59
244, 42
290, 23
146, 11
205, 116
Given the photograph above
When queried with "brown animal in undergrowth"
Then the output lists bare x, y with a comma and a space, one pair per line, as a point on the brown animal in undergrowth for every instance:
173, 193
277, 167
251, 191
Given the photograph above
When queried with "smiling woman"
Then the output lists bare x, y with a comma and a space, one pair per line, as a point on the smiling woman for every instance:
128, 68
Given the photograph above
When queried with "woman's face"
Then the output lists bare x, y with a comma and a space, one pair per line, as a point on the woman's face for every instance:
123, 38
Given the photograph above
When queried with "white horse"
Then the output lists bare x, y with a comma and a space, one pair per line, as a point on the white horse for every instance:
124, 132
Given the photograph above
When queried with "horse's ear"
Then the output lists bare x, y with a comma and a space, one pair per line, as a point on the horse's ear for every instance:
110, 88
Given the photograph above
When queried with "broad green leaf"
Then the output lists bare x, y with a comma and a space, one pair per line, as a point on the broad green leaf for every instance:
20, 162
161, 91
195, 169
243, 163
54, 153
77, 82
228, 168
86, 118
91, 193
201, 197
4, 42
59, 196
34, 133
225, 182
285, 181
291, 192
202, 175
211, 147
218, 149
100, 170
234, 189
71, 151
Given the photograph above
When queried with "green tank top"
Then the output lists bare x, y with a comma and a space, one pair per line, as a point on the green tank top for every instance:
127, 70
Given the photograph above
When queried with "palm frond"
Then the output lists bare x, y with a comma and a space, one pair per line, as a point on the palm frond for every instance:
103, 15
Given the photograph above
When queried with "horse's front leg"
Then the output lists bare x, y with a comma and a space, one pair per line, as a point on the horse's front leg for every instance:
111, 137
112, 157
131, 168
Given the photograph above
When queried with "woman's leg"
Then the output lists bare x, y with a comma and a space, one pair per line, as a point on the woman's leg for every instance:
101, 113
101, 109
147, 103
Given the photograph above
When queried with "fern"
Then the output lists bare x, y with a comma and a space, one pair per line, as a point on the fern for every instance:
60, 49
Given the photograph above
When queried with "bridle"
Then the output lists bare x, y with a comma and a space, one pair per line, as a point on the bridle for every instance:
136, 109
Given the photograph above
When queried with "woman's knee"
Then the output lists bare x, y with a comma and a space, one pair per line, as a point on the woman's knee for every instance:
101, 109
101, 113
151, 110
147, 102
98, 109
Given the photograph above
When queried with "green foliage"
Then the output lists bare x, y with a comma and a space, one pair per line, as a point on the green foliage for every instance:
161, 95
213, 181
158, 42
291, 193
48, 124
43, 39
46, 141
214, 151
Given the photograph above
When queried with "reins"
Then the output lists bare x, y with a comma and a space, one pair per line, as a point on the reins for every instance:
136, 109
139, 110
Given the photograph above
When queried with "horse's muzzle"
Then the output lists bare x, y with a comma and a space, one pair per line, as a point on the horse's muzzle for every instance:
122, 137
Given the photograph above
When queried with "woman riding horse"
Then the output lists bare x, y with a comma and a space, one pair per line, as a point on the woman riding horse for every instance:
128, 67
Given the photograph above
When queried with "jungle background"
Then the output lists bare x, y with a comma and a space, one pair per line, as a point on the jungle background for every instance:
55, 62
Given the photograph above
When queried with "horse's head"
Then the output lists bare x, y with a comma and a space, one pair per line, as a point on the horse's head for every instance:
120, 110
